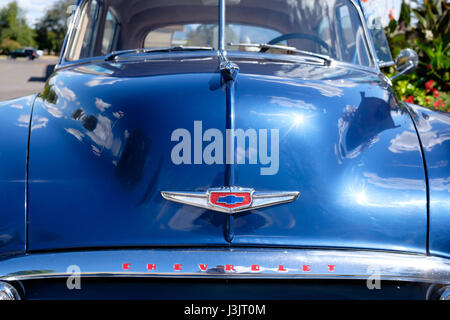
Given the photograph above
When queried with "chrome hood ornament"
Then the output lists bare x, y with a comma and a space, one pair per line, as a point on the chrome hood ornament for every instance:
229, 70
231, 199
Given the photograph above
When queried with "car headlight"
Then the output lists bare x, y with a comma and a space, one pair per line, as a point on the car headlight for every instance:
8, 292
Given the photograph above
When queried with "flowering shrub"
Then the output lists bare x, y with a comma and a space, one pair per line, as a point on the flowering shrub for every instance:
427, 96
429, 85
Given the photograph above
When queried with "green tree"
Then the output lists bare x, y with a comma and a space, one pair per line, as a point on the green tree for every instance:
14, 29
52, 28
9, 45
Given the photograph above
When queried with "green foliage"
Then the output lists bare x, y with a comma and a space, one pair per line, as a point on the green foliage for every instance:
430, 38
52, 28
13, 27
49, 94
9, 45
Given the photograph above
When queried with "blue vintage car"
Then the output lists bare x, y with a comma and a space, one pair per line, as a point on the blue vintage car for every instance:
244, 149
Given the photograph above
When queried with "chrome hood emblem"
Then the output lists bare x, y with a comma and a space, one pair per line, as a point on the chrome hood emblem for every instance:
231, 199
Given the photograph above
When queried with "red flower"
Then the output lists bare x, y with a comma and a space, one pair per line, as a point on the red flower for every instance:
436, 93
429, 66
391, 14
439, 103
429, 85
428, 99
410, 99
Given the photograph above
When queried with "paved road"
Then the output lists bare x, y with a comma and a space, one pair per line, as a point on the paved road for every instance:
23, 77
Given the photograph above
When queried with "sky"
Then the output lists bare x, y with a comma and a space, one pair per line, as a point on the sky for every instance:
35, 9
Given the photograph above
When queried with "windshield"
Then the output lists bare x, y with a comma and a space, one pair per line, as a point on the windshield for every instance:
330, 28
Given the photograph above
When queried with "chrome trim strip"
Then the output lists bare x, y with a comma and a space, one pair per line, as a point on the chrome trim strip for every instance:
222, 17
367, 34
182, 56
386, 64
189, 263
70, 33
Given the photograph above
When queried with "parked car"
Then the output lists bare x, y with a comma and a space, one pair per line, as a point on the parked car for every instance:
235, 149
29, 53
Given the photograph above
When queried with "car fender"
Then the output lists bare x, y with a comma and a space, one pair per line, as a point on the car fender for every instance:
15, 118
433, 128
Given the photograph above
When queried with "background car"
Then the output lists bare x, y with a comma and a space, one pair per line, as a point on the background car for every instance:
29, 53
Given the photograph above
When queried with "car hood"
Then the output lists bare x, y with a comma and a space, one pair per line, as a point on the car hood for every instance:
105, 140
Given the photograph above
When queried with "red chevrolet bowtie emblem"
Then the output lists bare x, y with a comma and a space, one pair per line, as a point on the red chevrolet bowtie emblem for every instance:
230, 199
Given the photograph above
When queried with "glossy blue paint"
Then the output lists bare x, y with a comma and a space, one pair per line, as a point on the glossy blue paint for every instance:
98, 164
101, 148
360, 185
14, 128
434, 131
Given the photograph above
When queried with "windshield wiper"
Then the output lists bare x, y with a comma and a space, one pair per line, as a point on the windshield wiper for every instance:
113, 55
323, 57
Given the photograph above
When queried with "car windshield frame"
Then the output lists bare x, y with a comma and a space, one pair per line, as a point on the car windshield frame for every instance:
221, 50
